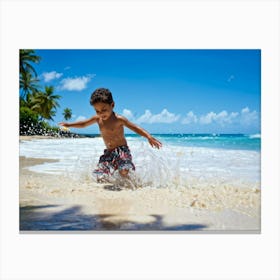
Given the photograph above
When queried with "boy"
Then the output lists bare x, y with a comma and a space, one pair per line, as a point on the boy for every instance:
117, 155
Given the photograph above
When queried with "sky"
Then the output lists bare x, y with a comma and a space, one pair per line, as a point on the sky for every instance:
163, 91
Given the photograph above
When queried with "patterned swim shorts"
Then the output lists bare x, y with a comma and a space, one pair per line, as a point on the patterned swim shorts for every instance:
117, 159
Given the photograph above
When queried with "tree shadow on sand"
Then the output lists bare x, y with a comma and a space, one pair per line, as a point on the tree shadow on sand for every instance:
48, 218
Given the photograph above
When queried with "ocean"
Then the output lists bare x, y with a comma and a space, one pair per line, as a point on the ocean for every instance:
185, 160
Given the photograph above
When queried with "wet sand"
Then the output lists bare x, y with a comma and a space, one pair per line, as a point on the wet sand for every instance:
32, 137
57, 203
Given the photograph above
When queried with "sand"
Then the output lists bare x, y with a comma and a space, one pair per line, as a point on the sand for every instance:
57, 203
32, 137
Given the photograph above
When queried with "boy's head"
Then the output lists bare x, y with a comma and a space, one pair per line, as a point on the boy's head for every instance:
101, 95
103, 103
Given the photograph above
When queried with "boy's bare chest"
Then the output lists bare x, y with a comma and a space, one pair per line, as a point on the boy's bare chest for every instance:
113, 127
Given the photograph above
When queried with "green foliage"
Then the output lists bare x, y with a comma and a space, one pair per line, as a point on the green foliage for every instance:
48, 129
44, 103
67, 114
26, 57
37, 104
28, 84
30, 124
28, 121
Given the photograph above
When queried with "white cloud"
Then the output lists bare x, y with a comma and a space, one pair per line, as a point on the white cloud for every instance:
48, 76
128, 114
163, 117
207, 118
190, 118
245, 111
80, 118
148, 117
78, 83
245, 117
145, 118
233, 116
221, 118
248, 117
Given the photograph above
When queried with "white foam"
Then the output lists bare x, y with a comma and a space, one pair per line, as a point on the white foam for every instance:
171, 165
254, 136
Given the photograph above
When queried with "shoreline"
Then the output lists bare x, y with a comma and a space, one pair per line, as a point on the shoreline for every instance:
59, 203
32, 137
74, 135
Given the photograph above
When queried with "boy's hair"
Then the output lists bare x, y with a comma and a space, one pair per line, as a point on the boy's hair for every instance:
103, 95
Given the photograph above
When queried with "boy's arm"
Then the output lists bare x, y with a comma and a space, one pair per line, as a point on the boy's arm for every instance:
139, 130
80, 124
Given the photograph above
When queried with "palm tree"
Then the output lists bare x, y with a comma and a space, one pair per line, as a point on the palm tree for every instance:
28, 84
67, 114
25, 58
45, 103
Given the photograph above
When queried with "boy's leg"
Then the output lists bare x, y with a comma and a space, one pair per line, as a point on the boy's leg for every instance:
124, 173
124, 161
102, 179
126, 179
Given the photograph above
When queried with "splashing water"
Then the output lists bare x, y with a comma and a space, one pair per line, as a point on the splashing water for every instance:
171, 166
153, 169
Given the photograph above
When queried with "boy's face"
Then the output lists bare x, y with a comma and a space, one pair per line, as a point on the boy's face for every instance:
104, 110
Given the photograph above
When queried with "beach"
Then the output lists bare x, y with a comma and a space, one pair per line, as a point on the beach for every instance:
65, 201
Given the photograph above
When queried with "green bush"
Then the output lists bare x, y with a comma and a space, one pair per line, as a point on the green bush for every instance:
28, 122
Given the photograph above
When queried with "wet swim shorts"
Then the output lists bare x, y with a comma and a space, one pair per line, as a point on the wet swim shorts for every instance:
116, 159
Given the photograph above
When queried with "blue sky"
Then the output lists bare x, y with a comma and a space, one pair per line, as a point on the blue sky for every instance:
164, 91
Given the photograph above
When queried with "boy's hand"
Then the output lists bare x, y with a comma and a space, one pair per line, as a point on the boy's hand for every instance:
64, 124
154, 142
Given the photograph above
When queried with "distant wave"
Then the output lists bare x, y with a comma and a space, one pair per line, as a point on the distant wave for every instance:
253, 136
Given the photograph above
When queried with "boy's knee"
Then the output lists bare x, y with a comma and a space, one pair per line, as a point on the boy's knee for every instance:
123, 172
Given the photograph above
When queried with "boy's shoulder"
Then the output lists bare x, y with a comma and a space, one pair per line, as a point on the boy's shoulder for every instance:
120, 118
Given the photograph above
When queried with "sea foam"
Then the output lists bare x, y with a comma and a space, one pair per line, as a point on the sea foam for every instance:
170, 166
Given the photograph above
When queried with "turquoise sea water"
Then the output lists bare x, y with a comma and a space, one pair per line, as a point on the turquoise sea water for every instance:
219, 141
215, 141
